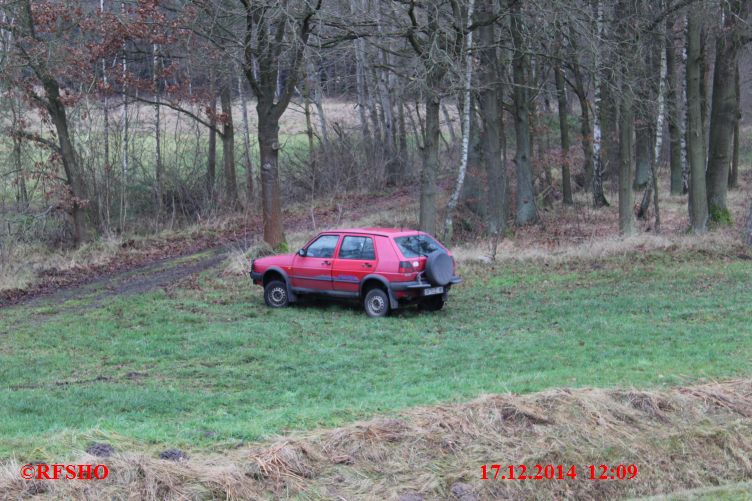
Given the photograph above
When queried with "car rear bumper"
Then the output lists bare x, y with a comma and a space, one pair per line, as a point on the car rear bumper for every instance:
417, 285
256, 276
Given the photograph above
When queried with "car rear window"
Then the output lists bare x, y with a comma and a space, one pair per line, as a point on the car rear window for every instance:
417, 245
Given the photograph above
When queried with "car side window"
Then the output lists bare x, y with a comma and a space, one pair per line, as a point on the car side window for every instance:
323, 246
357, 248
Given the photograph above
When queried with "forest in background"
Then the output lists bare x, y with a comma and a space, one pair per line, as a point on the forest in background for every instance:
133, 117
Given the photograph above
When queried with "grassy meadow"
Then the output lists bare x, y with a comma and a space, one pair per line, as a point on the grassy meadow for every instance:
206, 366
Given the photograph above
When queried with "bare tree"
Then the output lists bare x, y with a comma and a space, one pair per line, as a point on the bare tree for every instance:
274, 37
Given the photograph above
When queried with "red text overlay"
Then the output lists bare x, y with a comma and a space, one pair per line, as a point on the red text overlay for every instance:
558, 472
43, 471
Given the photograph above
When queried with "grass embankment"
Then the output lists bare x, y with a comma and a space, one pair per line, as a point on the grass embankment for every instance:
206, 365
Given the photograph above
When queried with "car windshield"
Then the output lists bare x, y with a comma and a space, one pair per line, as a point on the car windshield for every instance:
417, 245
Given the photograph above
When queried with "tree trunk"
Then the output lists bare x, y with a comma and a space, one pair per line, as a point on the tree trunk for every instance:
247, 154
69, 158
360, 83
561, 94
674, 116
723, 112
211, 168
734, 174
609, 125
626, 144
586, 131
228, 148
526, 212
157, 133
698, 204
449, 124
268, 133
430, 171
315, 93
402, 140
644, 136
490, 104
22, 195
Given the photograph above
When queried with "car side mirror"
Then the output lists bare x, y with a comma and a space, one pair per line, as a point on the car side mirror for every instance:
302, 253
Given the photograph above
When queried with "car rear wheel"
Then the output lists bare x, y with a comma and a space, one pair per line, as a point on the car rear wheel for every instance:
376, 303
433, 303
275, 294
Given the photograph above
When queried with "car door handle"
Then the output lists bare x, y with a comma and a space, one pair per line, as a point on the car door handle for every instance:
326, 263
367, 265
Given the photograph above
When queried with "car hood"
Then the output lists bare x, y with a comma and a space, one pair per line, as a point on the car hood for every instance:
281, 260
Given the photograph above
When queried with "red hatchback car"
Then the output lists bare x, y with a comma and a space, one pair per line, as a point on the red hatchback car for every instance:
381, 267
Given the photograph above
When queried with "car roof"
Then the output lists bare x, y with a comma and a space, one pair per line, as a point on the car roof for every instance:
394, 232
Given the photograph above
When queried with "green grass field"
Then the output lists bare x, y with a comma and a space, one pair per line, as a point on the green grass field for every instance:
208, 365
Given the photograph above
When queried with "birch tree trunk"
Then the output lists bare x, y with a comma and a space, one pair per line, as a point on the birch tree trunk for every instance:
652, 190
454, 199
599, 199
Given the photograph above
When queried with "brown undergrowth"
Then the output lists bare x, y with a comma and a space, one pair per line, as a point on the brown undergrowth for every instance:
680, 438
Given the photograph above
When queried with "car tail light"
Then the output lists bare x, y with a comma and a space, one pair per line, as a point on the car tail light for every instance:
251, 264
406, 267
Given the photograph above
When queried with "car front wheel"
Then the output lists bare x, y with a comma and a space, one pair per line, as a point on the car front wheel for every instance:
275, 294
376, 303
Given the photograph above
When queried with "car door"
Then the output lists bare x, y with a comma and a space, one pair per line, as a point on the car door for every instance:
356, 258
313, 271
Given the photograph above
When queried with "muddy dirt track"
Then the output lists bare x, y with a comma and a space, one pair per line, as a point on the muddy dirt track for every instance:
162, 273
167, 262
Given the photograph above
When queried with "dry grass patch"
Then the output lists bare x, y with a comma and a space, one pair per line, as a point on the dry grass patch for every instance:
684, 438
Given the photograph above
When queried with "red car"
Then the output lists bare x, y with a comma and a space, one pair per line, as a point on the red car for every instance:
381, 267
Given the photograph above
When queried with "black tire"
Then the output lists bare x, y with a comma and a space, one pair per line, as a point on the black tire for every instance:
275, 294
376, 303
439, 267
431, 303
